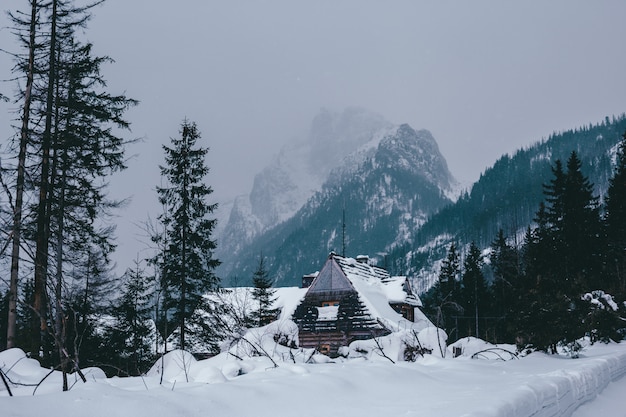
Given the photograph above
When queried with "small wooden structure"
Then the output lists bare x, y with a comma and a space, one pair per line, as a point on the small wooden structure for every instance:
349, 300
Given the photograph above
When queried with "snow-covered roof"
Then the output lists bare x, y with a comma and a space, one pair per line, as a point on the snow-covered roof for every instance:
398, 290
376, 288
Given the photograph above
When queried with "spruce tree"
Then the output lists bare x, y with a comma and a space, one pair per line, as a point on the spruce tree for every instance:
505, 266
449, 273
615, 224
130, 335
581, 229
27, 66
66, 149
474, 286
263, 295
566, 249
442, 301
187, 263
90, 287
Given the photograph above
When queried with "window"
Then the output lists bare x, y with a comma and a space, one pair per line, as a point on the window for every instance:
324, 349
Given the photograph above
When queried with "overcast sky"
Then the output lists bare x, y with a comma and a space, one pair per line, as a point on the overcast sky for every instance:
485, 77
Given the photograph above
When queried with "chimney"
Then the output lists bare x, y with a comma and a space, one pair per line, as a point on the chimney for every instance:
363, 259
307, 280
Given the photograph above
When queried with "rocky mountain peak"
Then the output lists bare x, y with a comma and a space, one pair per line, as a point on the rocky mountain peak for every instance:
417, 152
388, 179
298, 171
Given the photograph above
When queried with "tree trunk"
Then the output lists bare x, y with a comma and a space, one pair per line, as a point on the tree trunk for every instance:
19, 194
43, 215
60, 323
183, 260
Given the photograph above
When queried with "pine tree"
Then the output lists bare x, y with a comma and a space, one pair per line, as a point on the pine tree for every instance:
581, 229
615, 225
90, 287
449, 273
264, 296
28, 67
187, 262
549, 221
443, 300
130, 336
4, 319
474, 285
565, 251
64, 155
504, 263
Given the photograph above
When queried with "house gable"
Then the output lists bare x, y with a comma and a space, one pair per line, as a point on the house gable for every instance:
330, 279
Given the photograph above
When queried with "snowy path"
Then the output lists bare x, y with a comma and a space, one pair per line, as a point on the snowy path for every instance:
559, 392
610, 402
536, 386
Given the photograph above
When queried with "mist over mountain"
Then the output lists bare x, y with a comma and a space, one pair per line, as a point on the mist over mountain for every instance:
294, 175
384, 180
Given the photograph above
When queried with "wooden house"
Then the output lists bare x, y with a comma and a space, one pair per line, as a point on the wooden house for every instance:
349, 300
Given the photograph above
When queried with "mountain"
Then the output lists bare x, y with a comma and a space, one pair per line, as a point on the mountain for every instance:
385, 189
506, 197
295, 175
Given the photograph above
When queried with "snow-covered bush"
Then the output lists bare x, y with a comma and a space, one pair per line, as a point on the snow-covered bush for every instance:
275, 341
406, 345
472, 347
433, 339
173, 366
602, 319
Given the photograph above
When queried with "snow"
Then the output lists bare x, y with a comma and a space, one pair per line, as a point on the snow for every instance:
327, 313
608, 402
373, 287
534, 385
601, 300
287, 299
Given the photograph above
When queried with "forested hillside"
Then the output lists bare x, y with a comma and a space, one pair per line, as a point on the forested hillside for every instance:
507, 196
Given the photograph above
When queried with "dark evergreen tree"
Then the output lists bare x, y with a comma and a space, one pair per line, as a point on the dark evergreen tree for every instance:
187, 262
562, 259
66, 148
580, 229
4, 319
602, 318
449, 273
129, 337
263, 295
442, 303
475, 292
25, 315
505, 265
615, 224
27, 67
85, 305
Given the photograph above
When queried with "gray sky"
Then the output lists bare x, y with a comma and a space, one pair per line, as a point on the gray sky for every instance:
485, 77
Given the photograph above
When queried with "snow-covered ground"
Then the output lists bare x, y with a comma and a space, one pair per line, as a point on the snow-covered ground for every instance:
536, 385
610, 402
